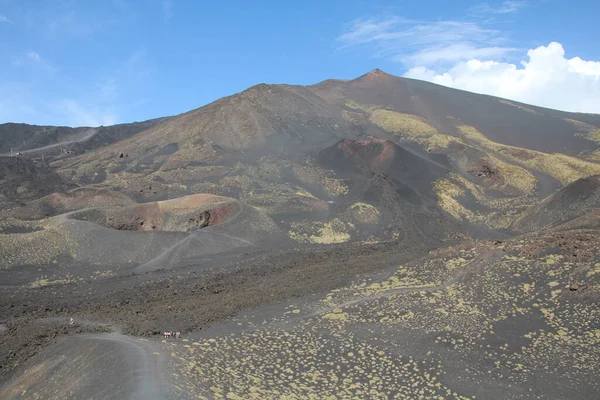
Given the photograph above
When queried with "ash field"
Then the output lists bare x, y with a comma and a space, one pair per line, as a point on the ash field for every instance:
375, 238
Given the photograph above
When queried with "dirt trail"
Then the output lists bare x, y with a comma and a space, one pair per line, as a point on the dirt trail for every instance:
81, 137
148, 370
94, 366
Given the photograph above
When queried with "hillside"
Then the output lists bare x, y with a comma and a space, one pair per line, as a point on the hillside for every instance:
574, 200
498, 157
61, 141
22, 180
379, 237
374, 159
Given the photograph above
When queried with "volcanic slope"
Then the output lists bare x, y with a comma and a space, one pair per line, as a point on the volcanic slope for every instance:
60, 141
575, 200
493, 158
281, 192
374, 159
23, 180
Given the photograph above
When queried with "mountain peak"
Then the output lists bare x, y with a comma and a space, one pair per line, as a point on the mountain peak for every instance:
377, 73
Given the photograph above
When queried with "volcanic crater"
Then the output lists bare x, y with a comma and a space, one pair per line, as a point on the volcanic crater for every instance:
184, 214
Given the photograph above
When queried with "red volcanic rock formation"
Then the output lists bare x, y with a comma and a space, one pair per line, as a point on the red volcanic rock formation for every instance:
185, 214
376, 154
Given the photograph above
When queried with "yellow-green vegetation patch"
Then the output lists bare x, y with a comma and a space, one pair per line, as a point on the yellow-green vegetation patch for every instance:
279, 198
189, 173
513, 177
562, 167
438, 141
331, 232
447, 192
364, 213
479, 192
520, 107
593, 156
595, 270
411, 128
47, 281
301, 365
402, 124
504, 211
312, 174
336, 314
305, 193
335, 231
35, 248
403, 278
353, 117
587, 131
499, 314
360, 107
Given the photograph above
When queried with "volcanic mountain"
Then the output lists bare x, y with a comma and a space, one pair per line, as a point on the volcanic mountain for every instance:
283, 191
376, 158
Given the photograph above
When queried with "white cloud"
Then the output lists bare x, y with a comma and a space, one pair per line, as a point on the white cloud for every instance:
505, 7
423, 42
546, 79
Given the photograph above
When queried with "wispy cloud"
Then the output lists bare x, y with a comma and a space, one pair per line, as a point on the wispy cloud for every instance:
422, 42
167, 6
85, 115
32, 55
77, 24
64, 101
506, 7
109, 88
33, 58
4, 19
455, 52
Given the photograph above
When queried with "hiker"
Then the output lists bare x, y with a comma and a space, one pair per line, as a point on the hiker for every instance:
177, 335
71, 321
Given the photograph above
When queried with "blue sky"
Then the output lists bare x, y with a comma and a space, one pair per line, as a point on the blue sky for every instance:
77, 62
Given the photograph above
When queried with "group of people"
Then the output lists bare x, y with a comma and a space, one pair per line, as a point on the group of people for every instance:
171, 334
